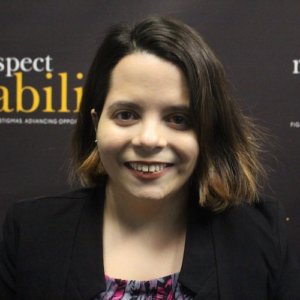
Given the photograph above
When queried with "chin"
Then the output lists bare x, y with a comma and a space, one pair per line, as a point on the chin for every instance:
151, 195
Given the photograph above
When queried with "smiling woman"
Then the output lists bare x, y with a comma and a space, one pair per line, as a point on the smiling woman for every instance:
228, 167
171, 208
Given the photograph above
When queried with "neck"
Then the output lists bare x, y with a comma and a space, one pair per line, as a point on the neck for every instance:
150, 233
129, 214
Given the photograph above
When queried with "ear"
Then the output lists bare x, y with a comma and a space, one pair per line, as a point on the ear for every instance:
95, 118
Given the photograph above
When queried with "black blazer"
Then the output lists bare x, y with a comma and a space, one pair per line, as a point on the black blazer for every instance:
52, 249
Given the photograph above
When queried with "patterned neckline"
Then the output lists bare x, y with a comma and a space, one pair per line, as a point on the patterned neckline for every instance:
162, 279
166, 287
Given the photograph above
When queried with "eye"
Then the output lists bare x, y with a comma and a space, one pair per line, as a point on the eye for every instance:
125, 117
179, 121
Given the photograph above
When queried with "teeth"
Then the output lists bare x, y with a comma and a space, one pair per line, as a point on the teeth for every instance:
151, 168
147, 168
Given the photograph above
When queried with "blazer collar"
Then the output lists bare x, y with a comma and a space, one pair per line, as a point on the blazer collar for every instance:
198, 272
86, 270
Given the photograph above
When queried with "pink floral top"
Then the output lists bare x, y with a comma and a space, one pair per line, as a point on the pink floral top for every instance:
165, 288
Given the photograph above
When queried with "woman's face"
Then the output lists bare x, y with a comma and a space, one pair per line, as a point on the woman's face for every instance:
145, 139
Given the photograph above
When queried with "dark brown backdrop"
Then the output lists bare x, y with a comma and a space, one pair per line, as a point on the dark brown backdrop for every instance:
257, 41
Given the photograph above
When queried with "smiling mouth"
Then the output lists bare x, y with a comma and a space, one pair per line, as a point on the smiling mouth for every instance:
147, 168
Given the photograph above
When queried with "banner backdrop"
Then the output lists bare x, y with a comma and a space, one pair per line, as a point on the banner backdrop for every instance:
46, 48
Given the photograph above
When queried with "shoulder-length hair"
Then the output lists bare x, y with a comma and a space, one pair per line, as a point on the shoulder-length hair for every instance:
228, 170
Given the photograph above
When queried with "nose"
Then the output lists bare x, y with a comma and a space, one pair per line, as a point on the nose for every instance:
150, 135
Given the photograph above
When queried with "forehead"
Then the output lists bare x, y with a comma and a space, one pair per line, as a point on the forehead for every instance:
144, 76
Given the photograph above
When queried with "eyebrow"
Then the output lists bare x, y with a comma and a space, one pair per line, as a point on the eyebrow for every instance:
178, 108
123, 104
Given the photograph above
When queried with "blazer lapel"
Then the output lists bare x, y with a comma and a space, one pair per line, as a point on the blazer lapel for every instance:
86, 270
199, 272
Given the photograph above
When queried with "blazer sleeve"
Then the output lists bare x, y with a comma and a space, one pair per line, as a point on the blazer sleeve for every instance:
8, 248
289, 278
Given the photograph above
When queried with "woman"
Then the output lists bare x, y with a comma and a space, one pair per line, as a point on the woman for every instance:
172, 170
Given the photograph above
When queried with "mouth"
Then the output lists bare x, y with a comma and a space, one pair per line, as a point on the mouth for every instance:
148, 167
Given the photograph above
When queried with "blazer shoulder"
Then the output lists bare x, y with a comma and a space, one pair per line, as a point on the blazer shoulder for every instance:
40, 210
256, 228
253, 239
56, 200
265, 213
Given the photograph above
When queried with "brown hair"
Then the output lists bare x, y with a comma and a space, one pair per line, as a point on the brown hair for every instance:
228, 170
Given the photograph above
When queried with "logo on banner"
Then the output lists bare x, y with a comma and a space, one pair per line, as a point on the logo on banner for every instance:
296, 66
29, 99
296, 71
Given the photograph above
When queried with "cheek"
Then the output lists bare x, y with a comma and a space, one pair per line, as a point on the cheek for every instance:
193, 157
110, 142
109, 149
189, 148
188, 151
